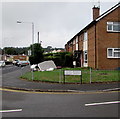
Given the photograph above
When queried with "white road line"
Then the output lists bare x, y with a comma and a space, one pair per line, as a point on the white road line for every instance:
15, 110
102, 103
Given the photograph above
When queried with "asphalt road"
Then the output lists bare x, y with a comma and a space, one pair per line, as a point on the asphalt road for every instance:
9, 68
11, 74
31, 104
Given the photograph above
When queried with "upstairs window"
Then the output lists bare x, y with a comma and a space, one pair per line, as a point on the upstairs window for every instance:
113, 26
85, 36
74, 42
113, 53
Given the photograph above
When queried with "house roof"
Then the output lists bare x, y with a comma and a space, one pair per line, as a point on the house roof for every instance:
96, 20
108, 11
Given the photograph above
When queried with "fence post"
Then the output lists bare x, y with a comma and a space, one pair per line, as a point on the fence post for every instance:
90, 75
60, 76
81, 77
63, 76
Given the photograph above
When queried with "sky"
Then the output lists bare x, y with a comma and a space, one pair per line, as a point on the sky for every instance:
56, 22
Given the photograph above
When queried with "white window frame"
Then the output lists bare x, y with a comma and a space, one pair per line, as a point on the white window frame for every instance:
74, 41
85, 53
85, 36
77, 43
113, 51
113, 24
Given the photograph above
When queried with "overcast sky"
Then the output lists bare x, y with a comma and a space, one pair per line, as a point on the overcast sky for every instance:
57, 22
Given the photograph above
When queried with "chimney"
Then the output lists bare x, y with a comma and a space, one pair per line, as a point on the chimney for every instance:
96, 12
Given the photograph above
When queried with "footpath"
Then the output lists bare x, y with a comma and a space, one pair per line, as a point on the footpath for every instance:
12, 81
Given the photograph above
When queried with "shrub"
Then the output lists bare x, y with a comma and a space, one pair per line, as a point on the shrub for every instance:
63, 59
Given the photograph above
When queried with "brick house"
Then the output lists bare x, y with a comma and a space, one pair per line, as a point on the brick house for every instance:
97, 45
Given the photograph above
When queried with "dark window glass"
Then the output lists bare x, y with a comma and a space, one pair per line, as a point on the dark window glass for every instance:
109, 52
109, 27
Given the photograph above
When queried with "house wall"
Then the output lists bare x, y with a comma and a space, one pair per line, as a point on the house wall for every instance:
107, 40
85, 49
91, 47
74, 45
80, 46
98, 42
70, 47
20, 57
66, 48
77, 40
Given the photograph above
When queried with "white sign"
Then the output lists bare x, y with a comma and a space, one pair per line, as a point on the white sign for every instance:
72, 72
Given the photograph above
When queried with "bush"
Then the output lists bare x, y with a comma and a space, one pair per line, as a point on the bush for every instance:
63, 59
68, 60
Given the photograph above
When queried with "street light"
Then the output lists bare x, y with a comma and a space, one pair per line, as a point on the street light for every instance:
19, 22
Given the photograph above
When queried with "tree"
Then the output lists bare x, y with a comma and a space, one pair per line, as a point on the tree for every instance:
64, 59
9, 50
15, 51
37, 53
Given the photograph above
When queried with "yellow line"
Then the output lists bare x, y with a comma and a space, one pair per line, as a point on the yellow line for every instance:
20, 91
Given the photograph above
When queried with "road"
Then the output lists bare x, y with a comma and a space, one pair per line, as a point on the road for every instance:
9, 68
31, 104
10, 75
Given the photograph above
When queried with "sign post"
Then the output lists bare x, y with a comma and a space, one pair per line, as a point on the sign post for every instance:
90, 75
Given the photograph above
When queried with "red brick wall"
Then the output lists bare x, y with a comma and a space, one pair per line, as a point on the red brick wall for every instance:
96, 12
66, 47
91, 47
81, 37
97, 49
80, 46
107, 40
71, 47
74, 45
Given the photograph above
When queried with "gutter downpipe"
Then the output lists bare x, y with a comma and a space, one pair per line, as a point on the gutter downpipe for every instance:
95, 49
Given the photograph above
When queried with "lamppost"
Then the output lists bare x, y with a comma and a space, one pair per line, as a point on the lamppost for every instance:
19, 22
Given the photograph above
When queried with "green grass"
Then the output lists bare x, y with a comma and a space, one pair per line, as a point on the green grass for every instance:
57, 76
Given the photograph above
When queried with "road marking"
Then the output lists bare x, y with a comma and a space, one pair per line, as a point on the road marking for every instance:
102, 103
15, 110
21, 91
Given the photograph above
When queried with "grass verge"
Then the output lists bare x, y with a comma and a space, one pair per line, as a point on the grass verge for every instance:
57, 76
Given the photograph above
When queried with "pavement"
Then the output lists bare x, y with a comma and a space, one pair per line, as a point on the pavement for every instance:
12, 81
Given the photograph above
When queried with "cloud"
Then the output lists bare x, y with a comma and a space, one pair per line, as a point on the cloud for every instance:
57, 22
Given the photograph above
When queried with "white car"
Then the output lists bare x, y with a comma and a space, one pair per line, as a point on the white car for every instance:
2, 63
23, 63
34, 67
15, 62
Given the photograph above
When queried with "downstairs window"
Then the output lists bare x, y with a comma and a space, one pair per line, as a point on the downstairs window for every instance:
113, 52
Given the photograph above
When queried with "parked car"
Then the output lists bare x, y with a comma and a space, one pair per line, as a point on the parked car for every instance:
2, 63
23, 63
15, 62
34, 67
